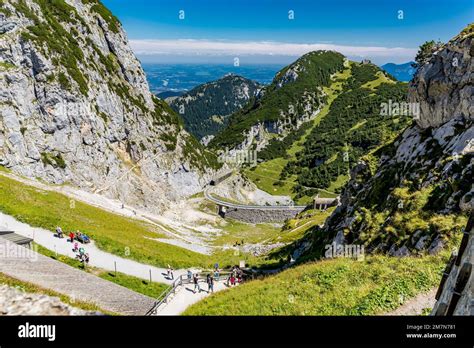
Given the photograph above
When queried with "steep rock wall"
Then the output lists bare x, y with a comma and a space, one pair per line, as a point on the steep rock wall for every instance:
76, 108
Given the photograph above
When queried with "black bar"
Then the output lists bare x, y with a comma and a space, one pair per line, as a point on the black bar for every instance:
288, 331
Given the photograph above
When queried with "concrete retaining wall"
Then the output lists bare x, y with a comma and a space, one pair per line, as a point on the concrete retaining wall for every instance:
260, 215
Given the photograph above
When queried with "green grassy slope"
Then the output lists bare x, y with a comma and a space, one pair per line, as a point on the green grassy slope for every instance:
332, 287
126, 237
113, 233
352, 128
349, 122
267, 175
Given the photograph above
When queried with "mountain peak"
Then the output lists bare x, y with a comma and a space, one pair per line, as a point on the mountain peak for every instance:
446, 73
206, 108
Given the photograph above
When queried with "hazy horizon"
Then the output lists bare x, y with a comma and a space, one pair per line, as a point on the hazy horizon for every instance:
280, 31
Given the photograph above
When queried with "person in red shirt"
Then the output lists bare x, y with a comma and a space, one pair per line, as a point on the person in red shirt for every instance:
71, 236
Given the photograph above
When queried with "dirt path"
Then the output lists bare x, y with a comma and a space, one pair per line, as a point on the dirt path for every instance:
29, 266
416, 305
98, 258
176, 230
185, 297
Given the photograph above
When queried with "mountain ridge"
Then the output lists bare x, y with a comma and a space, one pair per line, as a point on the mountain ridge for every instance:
206, 108
299, 98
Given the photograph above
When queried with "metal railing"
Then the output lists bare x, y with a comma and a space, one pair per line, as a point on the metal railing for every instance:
181, 280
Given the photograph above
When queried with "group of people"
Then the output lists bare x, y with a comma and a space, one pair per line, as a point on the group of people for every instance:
237, 243
78, 235
209, 281
235, 276
81, 254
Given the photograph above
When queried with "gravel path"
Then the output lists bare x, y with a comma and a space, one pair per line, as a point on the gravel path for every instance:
175, 229
185, 297
98, 258
29, 266
416, 305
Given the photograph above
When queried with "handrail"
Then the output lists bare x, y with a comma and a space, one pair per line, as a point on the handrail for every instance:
168, 292
172, 289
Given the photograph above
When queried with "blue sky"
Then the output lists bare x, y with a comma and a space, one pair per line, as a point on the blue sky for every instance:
260, 30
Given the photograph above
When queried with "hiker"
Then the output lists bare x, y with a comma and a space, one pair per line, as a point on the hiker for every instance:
170, 272
190, 275
216, 274
81, 251
210, 284
232, 279
86, 258
71, 237
76, 247
208, 281
196, 283
59, 232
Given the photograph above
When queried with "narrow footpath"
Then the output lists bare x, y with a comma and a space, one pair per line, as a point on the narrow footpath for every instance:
98, 258
30, 266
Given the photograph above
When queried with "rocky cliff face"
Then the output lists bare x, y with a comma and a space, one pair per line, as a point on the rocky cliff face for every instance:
76, 107
408, 196
16, 302
444, 85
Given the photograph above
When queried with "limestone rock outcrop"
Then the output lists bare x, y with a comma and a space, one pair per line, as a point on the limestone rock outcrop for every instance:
75, 108
444, 86
16, 302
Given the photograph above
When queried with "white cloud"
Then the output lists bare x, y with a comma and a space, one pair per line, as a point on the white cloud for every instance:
191, 47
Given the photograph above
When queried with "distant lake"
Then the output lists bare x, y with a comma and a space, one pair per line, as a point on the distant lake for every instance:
184, 77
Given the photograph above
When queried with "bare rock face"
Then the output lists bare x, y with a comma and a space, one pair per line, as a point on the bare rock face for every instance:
445, 85
16, 302
75, 108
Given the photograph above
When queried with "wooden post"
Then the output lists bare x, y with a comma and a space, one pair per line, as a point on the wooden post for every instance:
150, 275
115, 266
